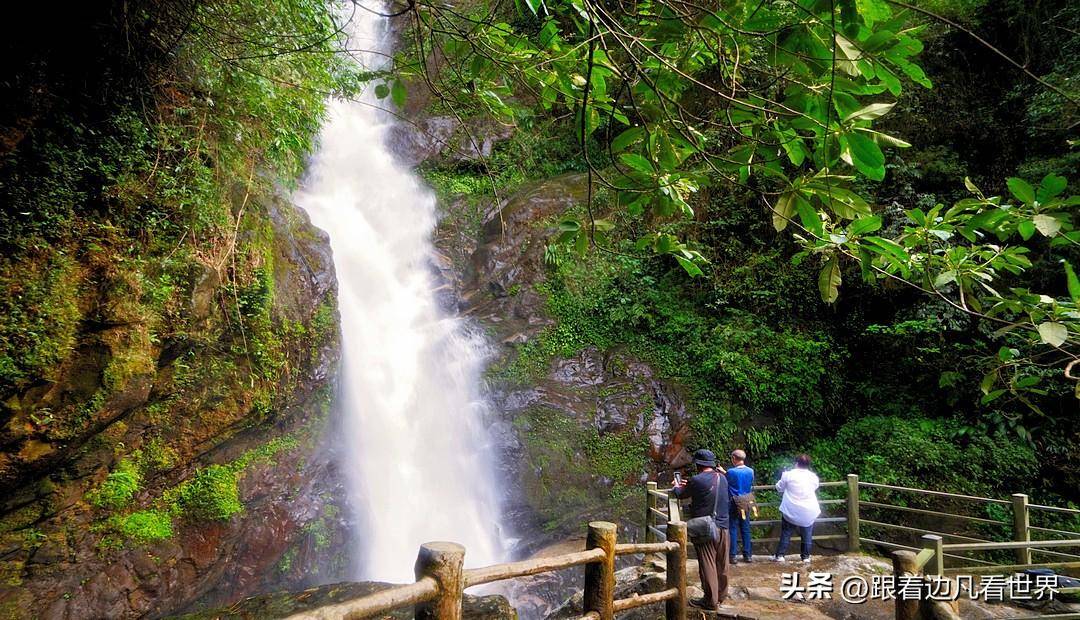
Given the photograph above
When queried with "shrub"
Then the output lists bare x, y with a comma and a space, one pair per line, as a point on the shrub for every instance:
928, 454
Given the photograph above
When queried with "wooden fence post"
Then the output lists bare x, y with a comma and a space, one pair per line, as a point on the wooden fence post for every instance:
650, 520
936, 564
600, 576
443, 561
1021, 533
675, 608
853, 512
903, 563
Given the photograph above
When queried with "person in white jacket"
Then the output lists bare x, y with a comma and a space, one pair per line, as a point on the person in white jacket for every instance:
799, 507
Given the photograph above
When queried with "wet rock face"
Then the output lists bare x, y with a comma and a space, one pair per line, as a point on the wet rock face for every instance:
57, 560
446, 139
577, 442
584, 439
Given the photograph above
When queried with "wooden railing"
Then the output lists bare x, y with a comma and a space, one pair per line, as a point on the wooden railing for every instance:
660, 505
441, 580
931, 557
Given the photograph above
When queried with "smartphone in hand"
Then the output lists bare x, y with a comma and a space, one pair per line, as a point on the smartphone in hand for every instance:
678, 479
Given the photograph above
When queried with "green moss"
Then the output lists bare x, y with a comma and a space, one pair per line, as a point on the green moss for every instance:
324, 325
213, 494
210, 495
129, 359
618, 456
145, 526
319, 530
119, 487
39, 316
156, 456
285, 563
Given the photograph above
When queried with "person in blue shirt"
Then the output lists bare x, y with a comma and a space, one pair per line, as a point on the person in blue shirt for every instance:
740, 482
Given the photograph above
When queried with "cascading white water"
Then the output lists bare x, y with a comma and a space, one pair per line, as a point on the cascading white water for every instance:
416, 446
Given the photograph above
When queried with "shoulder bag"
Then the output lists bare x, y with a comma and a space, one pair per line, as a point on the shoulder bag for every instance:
703, 530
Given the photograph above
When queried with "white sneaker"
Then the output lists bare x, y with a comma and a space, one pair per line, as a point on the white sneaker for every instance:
806, 560
779, 558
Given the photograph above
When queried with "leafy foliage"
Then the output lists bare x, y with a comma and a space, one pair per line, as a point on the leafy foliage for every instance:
786, 100
922, 453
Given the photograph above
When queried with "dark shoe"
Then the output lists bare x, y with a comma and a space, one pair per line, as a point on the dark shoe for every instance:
733, 561
701, 603
748, 559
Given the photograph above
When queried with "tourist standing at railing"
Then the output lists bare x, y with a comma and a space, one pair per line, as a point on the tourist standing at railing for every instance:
740, 480
799, 507
708, 495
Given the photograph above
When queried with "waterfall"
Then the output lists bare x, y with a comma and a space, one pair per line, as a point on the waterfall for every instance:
413, 435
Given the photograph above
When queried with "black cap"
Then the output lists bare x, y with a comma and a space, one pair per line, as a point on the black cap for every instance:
705, 458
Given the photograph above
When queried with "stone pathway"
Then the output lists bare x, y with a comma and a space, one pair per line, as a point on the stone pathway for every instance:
755, 594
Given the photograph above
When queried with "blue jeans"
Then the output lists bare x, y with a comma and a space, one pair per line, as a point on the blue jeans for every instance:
787, 528
739, 528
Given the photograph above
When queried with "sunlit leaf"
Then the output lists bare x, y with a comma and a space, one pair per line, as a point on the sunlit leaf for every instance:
1020, 188
1053, 333
867, 156
783, 211
627, 138
870, 112
689, 266
829, 280
1046, 224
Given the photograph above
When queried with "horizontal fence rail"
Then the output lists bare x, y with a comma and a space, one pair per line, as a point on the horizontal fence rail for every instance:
438, 591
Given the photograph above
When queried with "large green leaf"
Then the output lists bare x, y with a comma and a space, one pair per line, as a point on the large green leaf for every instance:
1020, 188
398, 93
808, 216
782, 212
688, 266
864, 225
829, 280
869, 112
1051, 186
627, 138
873, 11
1072, 282
866, 156
637, 162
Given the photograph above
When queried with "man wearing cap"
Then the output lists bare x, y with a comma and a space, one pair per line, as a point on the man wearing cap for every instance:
708, 493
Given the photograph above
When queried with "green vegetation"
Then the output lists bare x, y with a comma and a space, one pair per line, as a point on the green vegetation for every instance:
919, 452
211, 494
119, 487
145, 526
143, 155
935, 225
39, 314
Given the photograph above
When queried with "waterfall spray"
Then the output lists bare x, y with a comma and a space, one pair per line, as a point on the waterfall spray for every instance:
417, 453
